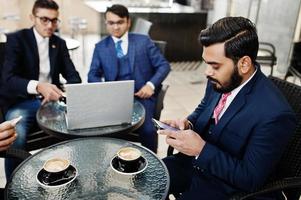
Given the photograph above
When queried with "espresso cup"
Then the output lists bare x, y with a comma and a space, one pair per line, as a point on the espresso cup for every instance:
55, 169
56, 165
128, 159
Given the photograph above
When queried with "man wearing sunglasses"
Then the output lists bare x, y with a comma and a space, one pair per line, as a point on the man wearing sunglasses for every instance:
34, 60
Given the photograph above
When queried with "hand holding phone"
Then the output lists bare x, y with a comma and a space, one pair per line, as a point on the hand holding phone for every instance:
160, 125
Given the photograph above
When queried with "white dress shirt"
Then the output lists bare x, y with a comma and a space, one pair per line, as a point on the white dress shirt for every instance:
44, 76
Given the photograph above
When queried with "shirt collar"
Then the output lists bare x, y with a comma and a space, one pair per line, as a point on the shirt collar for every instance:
38, 37
124, 38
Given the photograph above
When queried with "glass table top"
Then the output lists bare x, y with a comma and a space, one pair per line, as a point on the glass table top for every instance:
96, 179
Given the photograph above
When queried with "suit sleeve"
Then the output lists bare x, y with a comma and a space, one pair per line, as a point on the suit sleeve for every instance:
262, 151
11, 73
95, 73
69, 71
159, 63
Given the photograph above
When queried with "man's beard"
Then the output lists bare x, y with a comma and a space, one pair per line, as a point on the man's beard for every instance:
235, 81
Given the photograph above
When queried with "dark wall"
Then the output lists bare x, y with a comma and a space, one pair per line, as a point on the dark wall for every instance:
181, 31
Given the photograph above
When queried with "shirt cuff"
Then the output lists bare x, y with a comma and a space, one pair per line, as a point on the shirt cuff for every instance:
32, 87
151, 85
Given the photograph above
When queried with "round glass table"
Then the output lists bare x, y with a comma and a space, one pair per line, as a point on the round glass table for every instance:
96, 179
51, 117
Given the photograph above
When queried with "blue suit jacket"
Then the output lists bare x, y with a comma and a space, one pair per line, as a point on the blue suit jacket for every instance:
145, 59
243, 148
22, 63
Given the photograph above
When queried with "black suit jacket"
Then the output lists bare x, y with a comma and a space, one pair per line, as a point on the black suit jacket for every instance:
22, 64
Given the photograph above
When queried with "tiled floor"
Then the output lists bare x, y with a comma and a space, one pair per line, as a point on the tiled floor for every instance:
186, 88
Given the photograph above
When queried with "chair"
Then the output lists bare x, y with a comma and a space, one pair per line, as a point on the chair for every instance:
287, 177
161, 45
141, 26
295, 63
267, 55
38, 139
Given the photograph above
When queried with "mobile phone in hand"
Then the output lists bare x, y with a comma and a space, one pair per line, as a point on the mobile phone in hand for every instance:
15, 120
160, 125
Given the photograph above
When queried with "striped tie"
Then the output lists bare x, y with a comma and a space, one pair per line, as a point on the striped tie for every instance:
220, 106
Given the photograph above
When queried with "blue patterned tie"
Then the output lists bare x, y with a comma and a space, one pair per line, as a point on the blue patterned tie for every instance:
119, 49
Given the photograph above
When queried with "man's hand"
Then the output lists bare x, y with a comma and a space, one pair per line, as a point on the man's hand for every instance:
49, 91
7, 135
145, 92
187, 142
181, 124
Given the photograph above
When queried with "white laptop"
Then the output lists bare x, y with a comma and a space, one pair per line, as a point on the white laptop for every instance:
99, 104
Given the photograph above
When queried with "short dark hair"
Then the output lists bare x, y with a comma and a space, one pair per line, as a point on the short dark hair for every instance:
48, 4
239, 35
119, 10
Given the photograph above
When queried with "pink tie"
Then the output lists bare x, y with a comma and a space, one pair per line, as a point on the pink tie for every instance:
220, 106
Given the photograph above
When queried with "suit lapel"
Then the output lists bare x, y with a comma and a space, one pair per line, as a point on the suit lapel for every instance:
53, 50
131, 51
206, 116
35, 56
235, 106
212, 105
111, 59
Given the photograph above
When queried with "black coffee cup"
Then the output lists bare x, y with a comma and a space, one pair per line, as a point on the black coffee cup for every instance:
55, 169
128, 159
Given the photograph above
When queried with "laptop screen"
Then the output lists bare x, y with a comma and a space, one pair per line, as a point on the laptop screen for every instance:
99, 104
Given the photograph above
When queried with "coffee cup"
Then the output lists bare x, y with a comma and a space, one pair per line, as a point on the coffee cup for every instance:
55, 169
56, 165
128, 159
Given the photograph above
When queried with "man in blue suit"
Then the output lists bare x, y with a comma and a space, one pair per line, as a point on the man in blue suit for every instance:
127, 56
235, 137
34, 60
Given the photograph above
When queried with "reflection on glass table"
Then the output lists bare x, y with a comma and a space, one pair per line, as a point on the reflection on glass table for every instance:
96, 179
51, 118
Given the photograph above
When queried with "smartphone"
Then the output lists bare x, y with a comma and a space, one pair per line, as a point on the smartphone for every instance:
160, 125
15, 120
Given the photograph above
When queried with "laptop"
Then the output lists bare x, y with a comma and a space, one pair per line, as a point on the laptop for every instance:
99, 104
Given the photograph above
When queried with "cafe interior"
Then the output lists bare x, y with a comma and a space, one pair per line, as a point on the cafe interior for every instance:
174, 26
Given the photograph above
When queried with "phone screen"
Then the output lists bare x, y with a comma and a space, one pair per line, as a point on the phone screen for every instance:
161, 125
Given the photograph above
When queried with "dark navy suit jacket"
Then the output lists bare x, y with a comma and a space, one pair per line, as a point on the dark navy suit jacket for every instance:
242, 150
145, 59
22, 63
